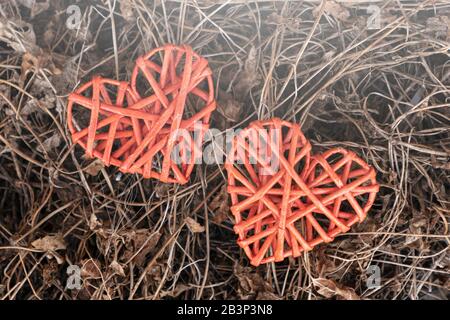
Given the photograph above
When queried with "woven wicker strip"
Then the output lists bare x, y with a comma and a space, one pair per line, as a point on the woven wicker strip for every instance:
145, 127
285, 202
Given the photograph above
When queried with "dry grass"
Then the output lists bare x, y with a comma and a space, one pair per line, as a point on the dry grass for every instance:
382, 93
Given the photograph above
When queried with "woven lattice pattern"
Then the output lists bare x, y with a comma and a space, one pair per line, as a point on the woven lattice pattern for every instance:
285, 201
145, 127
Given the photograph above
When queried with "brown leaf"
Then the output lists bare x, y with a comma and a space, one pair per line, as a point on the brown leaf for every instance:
41, 60
325, 265
266, 295
252, 285
35, 6
162, 190
348, 293
94, 167
179, 289
51, 143
126, 10
328, 289
29, 62
117, 268
30, 106
194, 226
50, 273
50, 243
292, 24
439, 164
91, 268
19, 35
328, 56
333, 9
248, 77
138, 244
93, 222
439, 26
5, 94
419, 221
415, 227
228, 107
219, 205
275, 18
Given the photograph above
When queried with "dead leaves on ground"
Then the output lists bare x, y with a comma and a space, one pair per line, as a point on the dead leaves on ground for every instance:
94, 167
37, 62
138, 244
419, 224
125, 246
231, 105
330, 289
117, 268
126, 10
94, 223
291, 23
50, 273
333, 9
178, 290
248, 77
35, 6
91, 269
439, 27
219, 206
50, 144
50, 244
18, 35
118, 249
252, 285
194, 226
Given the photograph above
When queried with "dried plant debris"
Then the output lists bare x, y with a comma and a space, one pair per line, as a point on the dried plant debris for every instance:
229, 110
329, 289
138, 243
248, 77
194, 226
35, 6
379, 87
252, 285
94, 167
49, 243
219, 206
50, 144
333, 9
18, 35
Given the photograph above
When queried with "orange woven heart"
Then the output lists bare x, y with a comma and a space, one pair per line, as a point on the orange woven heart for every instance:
285, 202
146, 127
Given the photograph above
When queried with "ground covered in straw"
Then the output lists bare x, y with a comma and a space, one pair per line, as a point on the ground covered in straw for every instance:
381, 92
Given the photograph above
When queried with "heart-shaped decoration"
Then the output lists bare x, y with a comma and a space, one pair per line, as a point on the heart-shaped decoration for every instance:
346, 185
146, 127
284, 201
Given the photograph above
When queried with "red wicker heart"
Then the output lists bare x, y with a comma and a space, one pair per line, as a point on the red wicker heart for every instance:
146, 127
271, 153
95, 119
346, 185
283, 212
